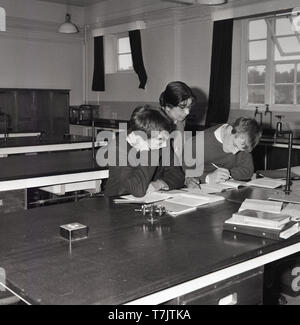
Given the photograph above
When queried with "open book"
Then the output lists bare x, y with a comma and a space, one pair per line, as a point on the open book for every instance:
223, 186
261, 205
266, 182
147, 199
186, 202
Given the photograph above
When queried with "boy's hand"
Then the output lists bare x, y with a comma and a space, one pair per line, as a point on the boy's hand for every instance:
157, 186
217, 176
192, 182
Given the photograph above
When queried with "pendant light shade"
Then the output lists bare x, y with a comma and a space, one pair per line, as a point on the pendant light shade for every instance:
68, 27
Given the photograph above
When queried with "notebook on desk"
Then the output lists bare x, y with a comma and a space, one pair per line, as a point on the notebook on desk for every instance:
266, 182
223, 186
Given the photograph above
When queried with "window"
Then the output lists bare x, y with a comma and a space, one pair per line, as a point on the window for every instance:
124, 54
271, 69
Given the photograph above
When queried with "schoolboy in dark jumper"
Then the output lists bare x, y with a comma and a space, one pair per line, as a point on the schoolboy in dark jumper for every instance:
227, 152
135, 178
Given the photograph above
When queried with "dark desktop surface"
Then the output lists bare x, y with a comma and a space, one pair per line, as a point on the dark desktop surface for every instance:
124, 257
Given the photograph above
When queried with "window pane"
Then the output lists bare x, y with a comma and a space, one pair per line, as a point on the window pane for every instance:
256, 94
256, 74
257, 29
278, 57
124, 45
284, 73
258, 50
125, 62
289, 44
284, 27
298, 94
284, 94
298, 72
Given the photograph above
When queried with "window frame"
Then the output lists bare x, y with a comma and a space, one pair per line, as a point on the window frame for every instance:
270, 64
119, 36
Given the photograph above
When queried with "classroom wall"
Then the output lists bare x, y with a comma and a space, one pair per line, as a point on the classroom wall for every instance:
169, 54
34, 55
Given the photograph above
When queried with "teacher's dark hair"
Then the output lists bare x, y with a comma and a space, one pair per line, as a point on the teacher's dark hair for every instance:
175, 93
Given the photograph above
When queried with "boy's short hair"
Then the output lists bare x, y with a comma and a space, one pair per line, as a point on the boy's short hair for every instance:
250, 128
148, 119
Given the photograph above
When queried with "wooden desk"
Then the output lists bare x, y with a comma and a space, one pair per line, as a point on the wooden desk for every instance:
22, 172
124, 259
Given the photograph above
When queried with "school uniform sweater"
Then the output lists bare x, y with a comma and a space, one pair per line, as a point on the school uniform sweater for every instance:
240, 165
135, 178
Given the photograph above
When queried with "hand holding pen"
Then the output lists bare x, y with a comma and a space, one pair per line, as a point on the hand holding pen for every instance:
218, 175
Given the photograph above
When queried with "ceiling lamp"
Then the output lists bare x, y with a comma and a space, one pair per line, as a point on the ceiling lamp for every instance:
68, 27
211, 2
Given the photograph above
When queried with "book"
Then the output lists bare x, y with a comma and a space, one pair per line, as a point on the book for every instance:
232, 183
197, 193
266, 182
293, 210
175, 209
261, 205
147, 199
220, 187
261, 218
287, 231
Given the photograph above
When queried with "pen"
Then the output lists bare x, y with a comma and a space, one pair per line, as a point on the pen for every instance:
220, 167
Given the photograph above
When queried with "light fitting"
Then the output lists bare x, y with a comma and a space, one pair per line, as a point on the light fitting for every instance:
68, 27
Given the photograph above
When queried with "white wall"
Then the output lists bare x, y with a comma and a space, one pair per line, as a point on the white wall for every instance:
34, 55
39, 64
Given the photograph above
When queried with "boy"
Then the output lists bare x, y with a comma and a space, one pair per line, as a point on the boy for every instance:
134, 170
227, 152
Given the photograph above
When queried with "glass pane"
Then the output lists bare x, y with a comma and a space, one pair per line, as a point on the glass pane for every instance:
284, 73
258, 50
298, 72
284, 27
284, 94
257, 29
256, 94
298, 94
289, 45
125, 62
124, 45
278, 57
256, 74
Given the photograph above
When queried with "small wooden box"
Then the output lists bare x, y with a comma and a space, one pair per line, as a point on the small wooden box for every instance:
74, 231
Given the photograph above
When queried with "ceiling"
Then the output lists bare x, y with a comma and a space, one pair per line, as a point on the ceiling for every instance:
79, 3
